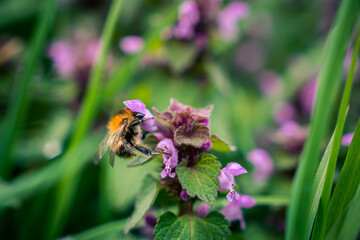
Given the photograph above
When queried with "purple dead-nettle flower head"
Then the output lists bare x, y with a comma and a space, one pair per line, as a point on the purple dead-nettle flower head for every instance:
232, 211
264, 165
227, 179
229, 17
131, 44
346, 139
138, 106
189, 16
170, 157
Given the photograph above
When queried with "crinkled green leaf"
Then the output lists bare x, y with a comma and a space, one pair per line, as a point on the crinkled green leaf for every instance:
220, 145
144, 201
213, 227
181, 55
201, 179
196, 137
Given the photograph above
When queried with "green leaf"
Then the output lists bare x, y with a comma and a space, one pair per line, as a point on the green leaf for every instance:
181, 55
201, 179
213, 227
144, 201
324, 209
348, 182
196, 137
316, 189
351, 224
220, 145
328, 87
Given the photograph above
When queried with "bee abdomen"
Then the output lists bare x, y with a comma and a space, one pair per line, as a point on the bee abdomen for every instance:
126, 151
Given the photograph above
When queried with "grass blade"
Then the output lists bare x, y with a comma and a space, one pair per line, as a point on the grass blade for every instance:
17, 105
351, 225
319, 228
347, 184
328, 86
317, 188
67, 186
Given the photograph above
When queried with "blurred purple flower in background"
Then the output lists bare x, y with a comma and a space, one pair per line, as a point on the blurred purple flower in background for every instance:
291, 136
284, 112
63, 57
170, 157
227, 179
232, 211
228, 19
250, 56
131, 44
346, 139
307, 96
264, 165
271, 84
188, 18
74, 58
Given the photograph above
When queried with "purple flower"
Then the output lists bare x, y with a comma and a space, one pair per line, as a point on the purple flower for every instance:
170, 157
284, 112
271, 84
63, 57
131, 44
138, 106
184, 195
182, 115
232, 211
346, 139
202, 210
228, 18
291, 135
189, 16
263, 163
227, 179
307, 96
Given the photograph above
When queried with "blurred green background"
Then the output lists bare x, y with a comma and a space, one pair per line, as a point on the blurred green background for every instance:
53, 118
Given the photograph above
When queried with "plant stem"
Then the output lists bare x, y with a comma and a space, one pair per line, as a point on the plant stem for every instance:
186, 207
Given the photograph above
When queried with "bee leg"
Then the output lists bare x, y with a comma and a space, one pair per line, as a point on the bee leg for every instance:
135, 122
143, 150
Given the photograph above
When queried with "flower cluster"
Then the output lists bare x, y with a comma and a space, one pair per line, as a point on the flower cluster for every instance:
196, 17
183, 137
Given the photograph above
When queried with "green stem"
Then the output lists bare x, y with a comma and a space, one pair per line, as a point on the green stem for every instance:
67, 186
18, 103
327, 89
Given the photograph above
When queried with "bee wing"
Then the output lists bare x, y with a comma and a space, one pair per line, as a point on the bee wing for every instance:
103, 146
111, 139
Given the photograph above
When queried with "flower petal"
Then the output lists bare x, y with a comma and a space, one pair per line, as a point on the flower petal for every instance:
246, 201
234, 169
136, 106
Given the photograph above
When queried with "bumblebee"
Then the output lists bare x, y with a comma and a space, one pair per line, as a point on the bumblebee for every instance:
123, 137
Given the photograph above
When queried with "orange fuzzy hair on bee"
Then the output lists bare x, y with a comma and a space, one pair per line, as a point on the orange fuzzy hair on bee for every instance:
115, 122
